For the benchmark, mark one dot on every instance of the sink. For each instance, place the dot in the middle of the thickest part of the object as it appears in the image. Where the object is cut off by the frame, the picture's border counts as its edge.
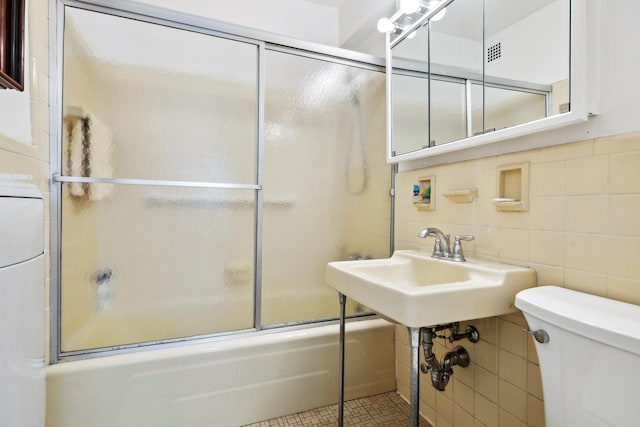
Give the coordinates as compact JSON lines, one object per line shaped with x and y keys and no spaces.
{"x":416,"y":290}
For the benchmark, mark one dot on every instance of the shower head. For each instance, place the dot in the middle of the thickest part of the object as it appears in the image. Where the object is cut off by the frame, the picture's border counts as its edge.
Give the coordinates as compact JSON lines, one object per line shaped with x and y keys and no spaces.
{"x":355,"y":81}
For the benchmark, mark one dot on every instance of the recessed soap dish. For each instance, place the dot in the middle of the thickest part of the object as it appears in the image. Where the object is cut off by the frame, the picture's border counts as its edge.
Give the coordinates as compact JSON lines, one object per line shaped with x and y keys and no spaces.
{"x":508,"y":205}
{"x":513,"y":188}
{"x":424,"y":193}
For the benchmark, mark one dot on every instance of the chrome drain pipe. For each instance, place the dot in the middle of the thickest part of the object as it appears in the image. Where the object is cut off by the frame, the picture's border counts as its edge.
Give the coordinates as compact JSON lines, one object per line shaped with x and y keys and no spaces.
{"x":441,"y":371}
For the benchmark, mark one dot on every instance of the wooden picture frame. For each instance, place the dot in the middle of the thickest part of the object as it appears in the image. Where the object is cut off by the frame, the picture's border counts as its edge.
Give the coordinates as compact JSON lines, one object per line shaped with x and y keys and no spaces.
{"x":12,"y":44}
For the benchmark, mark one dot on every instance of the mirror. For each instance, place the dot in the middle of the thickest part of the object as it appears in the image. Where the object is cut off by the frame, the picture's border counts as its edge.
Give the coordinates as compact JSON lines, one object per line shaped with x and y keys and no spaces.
{"x":484,"y":71}
{"x":456,"y":52}
{"x":12,"y":39}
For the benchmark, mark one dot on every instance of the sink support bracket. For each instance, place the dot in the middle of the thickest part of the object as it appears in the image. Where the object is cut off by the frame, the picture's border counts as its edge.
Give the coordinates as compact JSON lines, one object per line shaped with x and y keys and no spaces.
{"x":414,"y":341}
{"x":343,"y":302}
{"x":458,"y":356}
{"x":442,"y":371}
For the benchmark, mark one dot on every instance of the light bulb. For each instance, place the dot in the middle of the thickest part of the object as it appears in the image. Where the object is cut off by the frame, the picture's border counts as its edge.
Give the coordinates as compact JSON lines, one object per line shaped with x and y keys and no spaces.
{"x":409,"y":6}
{"x":438,"y":16}
{"x":385,"y":25}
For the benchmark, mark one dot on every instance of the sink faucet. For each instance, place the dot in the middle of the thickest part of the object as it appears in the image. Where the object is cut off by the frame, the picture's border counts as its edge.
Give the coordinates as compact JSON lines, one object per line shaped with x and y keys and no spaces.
{"x":441,"y":238}
{"x":458,"y":255}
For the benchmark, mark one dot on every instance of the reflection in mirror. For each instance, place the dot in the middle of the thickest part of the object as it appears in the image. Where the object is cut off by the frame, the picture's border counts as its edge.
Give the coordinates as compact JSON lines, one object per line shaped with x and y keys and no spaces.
{"x":410,"y":96}
{"x":490,"y":65}
{"x":527,"y":42}
{"x":448,"y":110}
{"x":456,"y":48}
{"x":410,"y":122}
{"x":477,"y":110}
{"x":508,"y":107}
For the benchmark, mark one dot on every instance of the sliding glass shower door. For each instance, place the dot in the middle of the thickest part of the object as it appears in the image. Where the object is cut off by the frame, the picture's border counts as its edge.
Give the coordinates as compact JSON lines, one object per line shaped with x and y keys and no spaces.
{"x":168,"y":251}
{"x":204,"y":180}
{"x":326,"y":180}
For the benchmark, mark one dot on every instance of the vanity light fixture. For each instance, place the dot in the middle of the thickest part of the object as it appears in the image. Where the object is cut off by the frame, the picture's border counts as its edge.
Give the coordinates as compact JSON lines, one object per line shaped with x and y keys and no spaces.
{"x":438,"y":16}
{"x":385,"y":25}
{"x":410,"y":7}
{"x":388,"y":25}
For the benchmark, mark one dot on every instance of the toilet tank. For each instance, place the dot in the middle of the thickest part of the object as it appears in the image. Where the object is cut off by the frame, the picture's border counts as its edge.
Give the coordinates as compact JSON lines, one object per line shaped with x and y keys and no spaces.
{"x":22,"y":305}
{"x":590,"y":366}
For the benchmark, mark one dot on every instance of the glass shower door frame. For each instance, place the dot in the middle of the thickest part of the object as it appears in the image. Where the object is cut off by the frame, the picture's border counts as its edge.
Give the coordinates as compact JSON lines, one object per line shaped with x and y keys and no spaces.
{"x":58,"y":179}
{"x":148,"y":14}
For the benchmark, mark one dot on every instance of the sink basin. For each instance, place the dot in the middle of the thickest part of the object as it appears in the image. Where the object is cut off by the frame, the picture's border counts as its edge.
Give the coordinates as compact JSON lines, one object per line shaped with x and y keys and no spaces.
{"x":416,"y":290}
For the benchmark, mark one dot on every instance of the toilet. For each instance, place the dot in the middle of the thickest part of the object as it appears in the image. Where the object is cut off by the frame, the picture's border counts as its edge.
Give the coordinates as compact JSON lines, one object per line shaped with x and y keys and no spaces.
{"x":22,"y":306}
{"x":590,"y":364}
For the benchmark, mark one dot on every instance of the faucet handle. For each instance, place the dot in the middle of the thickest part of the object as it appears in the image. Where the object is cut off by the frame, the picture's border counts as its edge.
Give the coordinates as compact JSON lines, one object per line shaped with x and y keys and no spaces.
{"x":458,"y":254}
{"x":437,"y":249}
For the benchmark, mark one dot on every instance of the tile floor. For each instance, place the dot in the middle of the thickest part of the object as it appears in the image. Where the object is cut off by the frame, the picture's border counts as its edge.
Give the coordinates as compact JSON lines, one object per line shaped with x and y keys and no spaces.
{"x":387,"y":409}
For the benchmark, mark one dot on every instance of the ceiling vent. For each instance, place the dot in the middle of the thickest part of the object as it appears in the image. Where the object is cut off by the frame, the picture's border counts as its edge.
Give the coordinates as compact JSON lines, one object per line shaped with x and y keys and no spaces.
{"x":494,"y":52}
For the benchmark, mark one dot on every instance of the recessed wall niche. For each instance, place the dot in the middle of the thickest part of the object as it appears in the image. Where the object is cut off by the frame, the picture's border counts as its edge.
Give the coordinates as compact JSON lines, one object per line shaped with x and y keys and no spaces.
{"x":424,"y":193}
{"x":512,"y":193}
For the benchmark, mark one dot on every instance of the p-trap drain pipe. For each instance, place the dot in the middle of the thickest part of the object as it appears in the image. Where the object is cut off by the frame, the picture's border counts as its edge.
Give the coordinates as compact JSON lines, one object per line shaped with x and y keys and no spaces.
{"x":441,"y":371}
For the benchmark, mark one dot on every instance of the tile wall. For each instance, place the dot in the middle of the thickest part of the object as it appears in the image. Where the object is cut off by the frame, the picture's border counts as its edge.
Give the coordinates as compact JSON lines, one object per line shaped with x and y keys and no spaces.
{"x":17,"y":158}
{"x":582,"y":231}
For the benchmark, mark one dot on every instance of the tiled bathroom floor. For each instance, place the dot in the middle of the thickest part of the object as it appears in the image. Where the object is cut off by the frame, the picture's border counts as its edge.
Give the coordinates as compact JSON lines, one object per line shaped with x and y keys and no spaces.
{"x":387,"y":409}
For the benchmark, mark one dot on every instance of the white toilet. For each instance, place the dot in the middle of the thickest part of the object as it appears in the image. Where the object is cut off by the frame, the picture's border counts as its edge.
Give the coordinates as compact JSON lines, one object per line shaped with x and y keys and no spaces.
{"x":590,"y":366}
{"x":22,"y":306}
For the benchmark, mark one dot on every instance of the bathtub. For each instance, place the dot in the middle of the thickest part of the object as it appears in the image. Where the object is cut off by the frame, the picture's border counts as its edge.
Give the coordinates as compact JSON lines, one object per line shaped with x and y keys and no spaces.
{"x":230,"y":382}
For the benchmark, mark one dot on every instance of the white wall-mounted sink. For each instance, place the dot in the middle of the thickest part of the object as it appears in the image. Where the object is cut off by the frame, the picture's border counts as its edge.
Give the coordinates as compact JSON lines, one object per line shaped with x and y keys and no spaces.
{"x":416,"y":290}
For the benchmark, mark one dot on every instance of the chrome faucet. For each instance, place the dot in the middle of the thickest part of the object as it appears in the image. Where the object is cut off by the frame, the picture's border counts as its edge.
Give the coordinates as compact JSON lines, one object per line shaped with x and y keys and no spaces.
{"x":458,"y":255}
{"x":443,"y":239}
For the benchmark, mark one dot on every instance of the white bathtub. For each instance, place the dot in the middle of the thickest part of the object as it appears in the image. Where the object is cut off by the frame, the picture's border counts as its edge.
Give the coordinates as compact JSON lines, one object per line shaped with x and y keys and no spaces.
{"x":225,"y":383}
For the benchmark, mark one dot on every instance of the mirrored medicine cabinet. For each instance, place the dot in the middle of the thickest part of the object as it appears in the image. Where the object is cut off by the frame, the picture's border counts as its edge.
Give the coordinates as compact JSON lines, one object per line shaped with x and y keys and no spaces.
{"x":486,"y":72}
